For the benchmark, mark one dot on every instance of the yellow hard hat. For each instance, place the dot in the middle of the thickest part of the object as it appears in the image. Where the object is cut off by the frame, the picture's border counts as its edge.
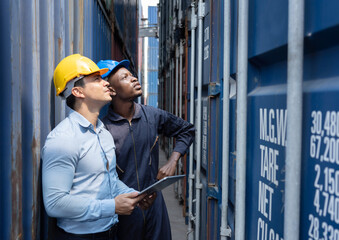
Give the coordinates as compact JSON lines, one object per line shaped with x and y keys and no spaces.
{"x":72,"y":67}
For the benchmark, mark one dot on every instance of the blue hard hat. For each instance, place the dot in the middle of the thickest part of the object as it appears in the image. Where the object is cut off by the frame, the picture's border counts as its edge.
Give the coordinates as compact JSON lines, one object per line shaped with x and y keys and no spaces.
{"x":111,"y":65}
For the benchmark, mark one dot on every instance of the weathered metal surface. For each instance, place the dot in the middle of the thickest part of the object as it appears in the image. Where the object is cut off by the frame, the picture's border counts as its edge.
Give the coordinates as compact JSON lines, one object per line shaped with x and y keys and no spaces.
{"x":15,"y":204}
{"x":5,"y":119}
{"x":126,"y":25}
{"x":30,"y":116}
{"x":36,"y":36}
{"x":152,"y":62}
{"x":266,"y":121}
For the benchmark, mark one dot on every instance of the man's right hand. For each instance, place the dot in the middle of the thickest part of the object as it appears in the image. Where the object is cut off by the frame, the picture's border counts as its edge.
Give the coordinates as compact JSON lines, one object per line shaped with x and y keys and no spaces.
{"x":125,"y":203}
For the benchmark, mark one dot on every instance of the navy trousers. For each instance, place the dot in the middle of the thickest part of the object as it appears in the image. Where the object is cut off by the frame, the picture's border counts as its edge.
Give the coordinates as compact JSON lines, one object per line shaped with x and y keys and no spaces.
{"x":107,"y":235}
{"x":150,"y":224}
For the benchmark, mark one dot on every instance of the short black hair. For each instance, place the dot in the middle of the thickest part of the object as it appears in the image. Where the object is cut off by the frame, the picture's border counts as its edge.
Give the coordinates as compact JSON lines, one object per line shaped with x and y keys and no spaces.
{"x":70,"y":101}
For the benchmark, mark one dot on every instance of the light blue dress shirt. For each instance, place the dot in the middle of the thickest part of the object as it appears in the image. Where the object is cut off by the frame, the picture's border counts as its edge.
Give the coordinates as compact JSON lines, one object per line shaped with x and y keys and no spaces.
{"x":78,"y":189}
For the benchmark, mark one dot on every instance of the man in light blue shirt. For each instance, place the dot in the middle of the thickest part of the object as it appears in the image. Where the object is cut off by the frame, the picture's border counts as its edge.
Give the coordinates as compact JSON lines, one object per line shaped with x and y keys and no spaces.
{"x":80,"y":183}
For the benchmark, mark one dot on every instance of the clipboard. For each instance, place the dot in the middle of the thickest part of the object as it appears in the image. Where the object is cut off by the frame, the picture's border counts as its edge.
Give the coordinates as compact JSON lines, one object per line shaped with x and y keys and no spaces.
{"x":161,"y":184}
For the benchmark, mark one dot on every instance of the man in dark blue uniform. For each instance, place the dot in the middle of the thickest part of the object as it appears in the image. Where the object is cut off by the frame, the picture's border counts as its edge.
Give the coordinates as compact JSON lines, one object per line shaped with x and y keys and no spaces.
{"x":135,"y":129}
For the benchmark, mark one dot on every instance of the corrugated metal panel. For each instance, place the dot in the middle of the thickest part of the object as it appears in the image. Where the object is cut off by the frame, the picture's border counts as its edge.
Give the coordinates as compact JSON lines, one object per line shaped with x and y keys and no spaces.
{"x":215,"y":120}
{"x":207,"y":43}
{"x":266,"y":137}
{"x":152,"y":15}
{"x":152,"y":98}
{"x":152,"y":62}
{"x":153,"y":42}
{"x":153,"y":82}
{"x":153,"y":59}
{"x":102,"y":36}
{"x":37,"y":35}
{"x":5,"y":120}
{"x":267,"y":101}
{"x":119,"y":13}
{"x":204,"y":214}
{"x":126,"y":16}
{"x":131,"y":27}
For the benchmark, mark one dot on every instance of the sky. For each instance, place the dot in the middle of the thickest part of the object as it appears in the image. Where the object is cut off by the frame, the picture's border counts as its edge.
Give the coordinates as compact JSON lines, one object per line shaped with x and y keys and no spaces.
{"x":146,"y":3}
{"x":150,"y":2}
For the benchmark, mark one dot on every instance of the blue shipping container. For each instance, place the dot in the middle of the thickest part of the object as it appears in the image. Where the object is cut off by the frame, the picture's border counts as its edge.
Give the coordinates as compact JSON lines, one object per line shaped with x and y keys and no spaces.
{"x":36,"y":36}
{"x":152,"y":63}
{"x":261,"y":66}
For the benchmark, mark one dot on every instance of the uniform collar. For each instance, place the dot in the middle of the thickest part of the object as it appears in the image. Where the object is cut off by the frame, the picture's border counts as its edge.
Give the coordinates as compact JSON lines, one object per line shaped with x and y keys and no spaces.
{"x":116,"y":117}
{"x":82,"y":121}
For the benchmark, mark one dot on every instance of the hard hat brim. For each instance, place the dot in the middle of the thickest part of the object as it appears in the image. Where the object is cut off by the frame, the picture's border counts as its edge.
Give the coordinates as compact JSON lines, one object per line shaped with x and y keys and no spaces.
{"x":102,"y":71}
{"x":124,"y":63}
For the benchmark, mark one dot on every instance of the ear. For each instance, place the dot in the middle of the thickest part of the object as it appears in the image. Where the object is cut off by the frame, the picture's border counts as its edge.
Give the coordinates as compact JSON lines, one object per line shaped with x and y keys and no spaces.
{"x":112,"y":91}
{"x":77,"y":92}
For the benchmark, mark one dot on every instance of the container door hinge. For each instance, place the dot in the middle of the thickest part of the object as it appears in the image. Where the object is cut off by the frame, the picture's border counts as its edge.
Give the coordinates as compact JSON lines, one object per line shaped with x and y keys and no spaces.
{"x":213,"y":192}
{"x":226,"y":232}
{"x":214,"y":89}
{"x":191,"y":217}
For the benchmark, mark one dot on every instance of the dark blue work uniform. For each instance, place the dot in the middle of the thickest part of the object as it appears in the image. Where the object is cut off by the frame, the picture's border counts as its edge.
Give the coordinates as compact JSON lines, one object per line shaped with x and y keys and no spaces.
{"x":137,"y":152}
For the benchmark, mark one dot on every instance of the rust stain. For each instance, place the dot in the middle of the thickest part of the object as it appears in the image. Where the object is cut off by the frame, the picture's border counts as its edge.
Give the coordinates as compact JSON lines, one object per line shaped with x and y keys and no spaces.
{"x":16,"y":187}
{"x":59,"y":45}
{"x":36,"y":163}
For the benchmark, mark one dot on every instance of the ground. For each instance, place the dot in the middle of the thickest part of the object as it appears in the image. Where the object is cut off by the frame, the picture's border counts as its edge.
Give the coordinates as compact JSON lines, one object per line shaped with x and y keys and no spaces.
{"x":175,"y":211}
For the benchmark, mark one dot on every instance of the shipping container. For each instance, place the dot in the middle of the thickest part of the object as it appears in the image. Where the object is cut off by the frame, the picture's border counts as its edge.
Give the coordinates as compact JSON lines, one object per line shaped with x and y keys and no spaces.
{"x":262,"y":86}
{"x":36,"y":36}
{"x":152,"y":61}
{"x":126,"y":25}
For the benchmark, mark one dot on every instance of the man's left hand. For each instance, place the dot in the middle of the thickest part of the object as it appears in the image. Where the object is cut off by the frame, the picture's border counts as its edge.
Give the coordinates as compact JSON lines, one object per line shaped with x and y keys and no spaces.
{"x":147,"y":201}
{"x":169,"y":168}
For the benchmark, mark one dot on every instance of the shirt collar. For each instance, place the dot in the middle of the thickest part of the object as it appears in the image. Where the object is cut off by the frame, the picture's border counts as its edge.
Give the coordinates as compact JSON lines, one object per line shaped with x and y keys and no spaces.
{"x":116,"y":117}
{"x":100,"y":125}
{"x":82,"y":121}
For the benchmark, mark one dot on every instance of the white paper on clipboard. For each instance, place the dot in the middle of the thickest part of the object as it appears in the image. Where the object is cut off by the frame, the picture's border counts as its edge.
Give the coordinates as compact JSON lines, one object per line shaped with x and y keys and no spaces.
{"x":161,"y":184}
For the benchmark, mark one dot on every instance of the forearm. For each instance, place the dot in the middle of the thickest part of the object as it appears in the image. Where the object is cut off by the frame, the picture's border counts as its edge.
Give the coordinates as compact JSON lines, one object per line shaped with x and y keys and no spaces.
{"x":123,"y":188}
{"x":175,"y":156}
